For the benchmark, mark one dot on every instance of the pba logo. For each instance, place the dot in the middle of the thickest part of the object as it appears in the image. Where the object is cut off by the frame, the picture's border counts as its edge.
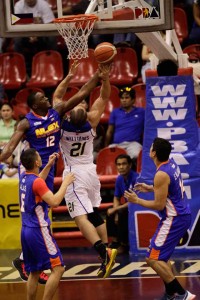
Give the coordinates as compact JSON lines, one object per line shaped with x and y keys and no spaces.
{"x":146,"y":13}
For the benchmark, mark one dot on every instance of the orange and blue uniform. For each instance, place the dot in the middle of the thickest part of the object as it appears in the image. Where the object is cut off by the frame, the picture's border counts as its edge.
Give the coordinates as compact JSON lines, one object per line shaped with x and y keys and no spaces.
{"x":175,"y":217}
{"x":39,"y":248}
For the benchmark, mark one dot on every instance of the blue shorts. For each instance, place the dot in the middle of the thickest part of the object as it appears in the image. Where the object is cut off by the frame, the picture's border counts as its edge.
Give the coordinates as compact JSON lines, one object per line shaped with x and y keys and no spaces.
{"x":39,"y":248}
{"x":167,"y":236}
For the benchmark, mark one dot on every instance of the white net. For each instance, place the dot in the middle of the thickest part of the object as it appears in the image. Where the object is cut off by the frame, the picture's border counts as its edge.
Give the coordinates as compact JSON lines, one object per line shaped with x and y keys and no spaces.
{"x":75,"y":33}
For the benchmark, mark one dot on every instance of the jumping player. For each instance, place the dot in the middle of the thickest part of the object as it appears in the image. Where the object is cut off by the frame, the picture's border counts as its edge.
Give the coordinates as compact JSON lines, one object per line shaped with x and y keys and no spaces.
{"x":41,"y":129}
{"x":171,"y":202}
{"x":38,"y":245}
{"x":83,"y":198}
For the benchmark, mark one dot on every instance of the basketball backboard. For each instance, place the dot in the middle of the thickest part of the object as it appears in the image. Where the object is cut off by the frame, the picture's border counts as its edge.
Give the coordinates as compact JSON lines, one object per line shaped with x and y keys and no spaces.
{"x":123,"y":16}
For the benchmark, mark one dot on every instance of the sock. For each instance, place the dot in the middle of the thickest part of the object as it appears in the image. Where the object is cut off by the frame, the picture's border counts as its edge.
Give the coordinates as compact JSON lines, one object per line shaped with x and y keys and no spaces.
{"x":174,"y":287}
{"x":21,"y":256}
{"x":100,"y":247}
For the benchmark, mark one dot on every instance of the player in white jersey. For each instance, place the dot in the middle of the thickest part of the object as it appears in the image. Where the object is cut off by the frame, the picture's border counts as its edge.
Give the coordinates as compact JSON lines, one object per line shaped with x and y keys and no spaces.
{"x":83,"y":199}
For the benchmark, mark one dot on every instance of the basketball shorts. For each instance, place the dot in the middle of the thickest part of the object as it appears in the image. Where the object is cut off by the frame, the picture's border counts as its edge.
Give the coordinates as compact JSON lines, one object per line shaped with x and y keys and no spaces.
{"x":40,"y":250}
{"x":84,"y":193}
{"x":167,"y":236}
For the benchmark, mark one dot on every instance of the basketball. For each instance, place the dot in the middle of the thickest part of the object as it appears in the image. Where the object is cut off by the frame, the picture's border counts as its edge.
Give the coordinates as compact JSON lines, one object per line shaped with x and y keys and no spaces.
{"x":105,"y":52}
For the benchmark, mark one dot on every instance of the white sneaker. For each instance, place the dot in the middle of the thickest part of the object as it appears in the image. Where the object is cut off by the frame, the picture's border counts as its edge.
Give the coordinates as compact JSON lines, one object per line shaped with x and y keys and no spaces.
{"x":186,"y":296}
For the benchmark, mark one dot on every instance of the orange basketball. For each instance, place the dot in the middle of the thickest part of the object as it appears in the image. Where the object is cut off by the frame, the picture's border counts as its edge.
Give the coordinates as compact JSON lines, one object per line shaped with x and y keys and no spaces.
{"x":105,"y":52}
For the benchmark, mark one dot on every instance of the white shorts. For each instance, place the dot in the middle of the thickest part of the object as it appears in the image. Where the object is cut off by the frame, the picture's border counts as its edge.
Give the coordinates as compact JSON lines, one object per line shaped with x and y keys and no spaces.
{"x":84,"y":193}
{"x":132,"y":148}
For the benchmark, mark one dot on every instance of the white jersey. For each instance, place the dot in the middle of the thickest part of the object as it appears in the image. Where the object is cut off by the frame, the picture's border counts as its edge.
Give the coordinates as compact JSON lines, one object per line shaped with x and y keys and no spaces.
{"x":77,"y":144}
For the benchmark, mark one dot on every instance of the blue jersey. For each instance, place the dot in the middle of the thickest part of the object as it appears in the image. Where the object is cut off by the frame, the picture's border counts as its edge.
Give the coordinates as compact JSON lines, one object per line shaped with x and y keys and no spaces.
{"x":34,"y":210}
{"x":177,"y":203}
{"x":122,"y":184}
{"x":128,"y":126}
{"x":44,"y":133}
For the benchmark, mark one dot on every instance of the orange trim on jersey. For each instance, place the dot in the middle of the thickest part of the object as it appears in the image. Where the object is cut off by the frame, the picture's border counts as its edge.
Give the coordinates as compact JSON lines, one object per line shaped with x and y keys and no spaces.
{"x":26,"y":172}
{"x":163,"y":163}
{"x":39,"y":188}
{"x":154,"y":254}
{"x":55,"y":262}
{"x":38,"y":116}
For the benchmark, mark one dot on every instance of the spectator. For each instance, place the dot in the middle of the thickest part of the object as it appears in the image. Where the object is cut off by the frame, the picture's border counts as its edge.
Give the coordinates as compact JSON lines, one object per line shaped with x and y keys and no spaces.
{"x":117,"y":216}
{"x":194,"y":35}
{"x":7,"y":123}
{"x":29,"y":46}
{"x":126,"y":125}
{"x":7,"y":170}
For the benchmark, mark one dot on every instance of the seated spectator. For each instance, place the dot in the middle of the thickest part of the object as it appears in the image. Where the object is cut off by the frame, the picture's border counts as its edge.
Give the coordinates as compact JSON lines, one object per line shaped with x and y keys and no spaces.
{"x":117,"y":216}
{"x":29,"y":46}
{"x":7,"y":170}
{"x":194,"y":36}
{"x":126,"y":125}
{"x":7,"y":123}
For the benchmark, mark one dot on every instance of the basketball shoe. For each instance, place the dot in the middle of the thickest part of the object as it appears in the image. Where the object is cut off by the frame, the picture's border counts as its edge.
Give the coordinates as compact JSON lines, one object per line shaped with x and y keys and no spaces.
{"x":186,"y":296}
{"x":19,"y":265}
{"x":107,"y":263}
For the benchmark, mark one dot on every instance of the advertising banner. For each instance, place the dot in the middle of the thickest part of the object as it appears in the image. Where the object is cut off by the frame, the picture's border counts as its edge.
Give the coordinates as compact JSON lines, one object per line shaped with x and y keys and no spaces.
{"x":170,"y":114}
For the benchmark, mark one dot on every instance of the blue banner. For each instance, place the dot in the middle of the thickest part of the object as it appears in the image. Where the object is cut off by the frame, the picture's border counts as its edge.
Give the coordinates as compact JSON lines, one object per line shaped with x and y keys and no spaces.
{"x":170,"y":114}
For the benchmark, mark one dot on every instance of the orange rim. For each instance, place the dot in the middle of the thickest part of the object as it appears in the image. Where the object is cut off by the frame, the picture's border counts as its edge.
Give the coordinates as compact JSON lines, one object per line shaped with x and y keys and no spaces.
{"x":76,"y":18}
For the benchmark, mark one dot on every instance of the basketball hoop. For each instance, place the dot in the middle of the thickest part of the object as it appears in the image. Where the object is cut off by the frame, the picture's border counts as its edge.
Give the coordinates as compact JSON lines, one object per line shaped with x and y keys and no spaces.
{"x":75,"y":30}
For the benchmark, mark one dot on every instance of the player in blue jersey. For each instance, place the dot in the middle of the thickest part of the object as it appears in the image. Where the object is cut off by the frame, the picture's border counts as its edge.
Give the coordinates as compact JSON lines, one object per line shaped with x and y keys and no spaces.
{"x":38,"y":245}
{"x":41,"y":129}
{"x":171,"y":202}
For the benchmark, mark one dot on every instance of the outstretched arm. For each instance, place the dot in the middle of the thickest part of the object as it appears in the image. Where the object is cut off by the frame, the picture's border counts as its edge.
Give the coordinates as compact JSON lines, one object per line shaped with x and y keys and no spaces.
{"x":15,"y":139}
{"x":83,"y":93}
{"x":44,"y":173}
{"x":62,"y":87}
{"x":99,"y":105}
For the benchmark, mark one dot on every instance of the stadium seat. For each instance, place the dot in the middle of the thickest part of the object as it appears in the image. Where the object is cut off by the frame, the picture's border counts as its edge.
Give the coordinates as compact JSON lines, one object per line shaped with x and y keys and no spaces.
{"x":140,"y":91}
{"x":106,"y":168}
{"x":12,"y":70}
{"x":106,"y":160}
{"x":86,"y":69}
{"x":19,"y":110}
{"x":193,"y":52}
{"x":180,"y":23}
{"x":47,"y":69}
{"x":22,"y":95}
{"x":124,"y":69}
{"x":113,"y":102}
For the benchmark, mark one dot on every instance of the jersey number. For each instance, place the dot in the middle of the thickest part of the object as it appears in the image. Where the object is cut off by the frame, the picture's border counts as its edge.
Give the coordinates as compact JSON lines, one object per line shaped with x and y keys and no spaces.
{"x":78,"y":149}
{"x":22,"y":202}
{"x":50,"y":141}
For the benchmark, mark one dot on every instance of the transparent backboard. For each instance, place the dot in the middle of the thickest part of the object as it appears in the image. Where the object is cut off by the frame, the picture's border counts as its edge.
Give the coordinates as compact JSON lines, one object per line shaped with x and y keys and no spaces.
{"x":114,"y":16}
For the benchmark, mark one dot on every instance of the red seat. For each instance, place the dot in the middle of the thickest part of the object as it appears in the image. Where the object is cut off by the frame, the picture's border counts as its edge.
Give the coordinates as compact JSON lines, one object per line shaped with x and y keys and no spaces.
{"x":106,"y":160}
{"x":124,"y":70}
{"x":71,"y":91}
{"x":20,"y":109}
{"x":180,"y":23}
{"x":113,"y":102}
{"x":12,"y":70}
{"x":193,"y":52}
{"x":22,"y":95}
{"x":140,"y":93}
{"x":87,"y":68}
{"x":47,"y":69}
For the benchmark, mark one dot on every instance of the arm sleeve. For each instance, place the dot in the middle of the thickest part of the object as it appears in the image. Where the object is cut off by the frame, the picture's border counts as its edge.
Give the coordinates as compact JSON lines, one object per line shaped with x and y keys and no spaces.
{"x":39,"y":187}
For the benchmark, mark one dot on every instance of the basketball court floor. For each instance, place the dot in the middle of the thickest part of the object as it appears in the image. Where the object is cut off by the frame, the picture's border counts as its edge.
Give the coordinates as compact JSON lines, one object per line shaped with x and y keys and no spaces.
{"x":131,"y":279}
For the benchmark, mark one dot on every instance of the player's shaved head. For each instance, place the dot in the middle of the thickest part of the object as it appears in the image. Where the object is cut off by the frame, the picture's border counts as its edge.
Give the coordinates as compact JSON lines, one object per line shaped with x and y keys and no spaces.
{"x":78,"y":116}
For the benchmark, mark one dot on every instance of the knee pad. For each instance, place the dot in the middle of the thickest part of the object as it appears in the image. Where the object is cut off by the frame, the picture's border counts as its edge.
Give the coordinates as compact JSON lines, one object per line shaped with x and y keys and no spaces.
{"x":95,"y":218}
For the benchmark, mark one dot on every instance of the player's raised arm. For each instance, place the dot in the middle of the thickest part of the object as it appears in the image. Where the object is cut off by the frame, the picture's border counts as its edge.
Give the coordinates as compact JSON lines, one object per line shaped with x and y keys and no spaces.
{"x":99,"y":105}
{"x":83,"y":93}
{"x":62,"y":87}
{"x":22,"y":127}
